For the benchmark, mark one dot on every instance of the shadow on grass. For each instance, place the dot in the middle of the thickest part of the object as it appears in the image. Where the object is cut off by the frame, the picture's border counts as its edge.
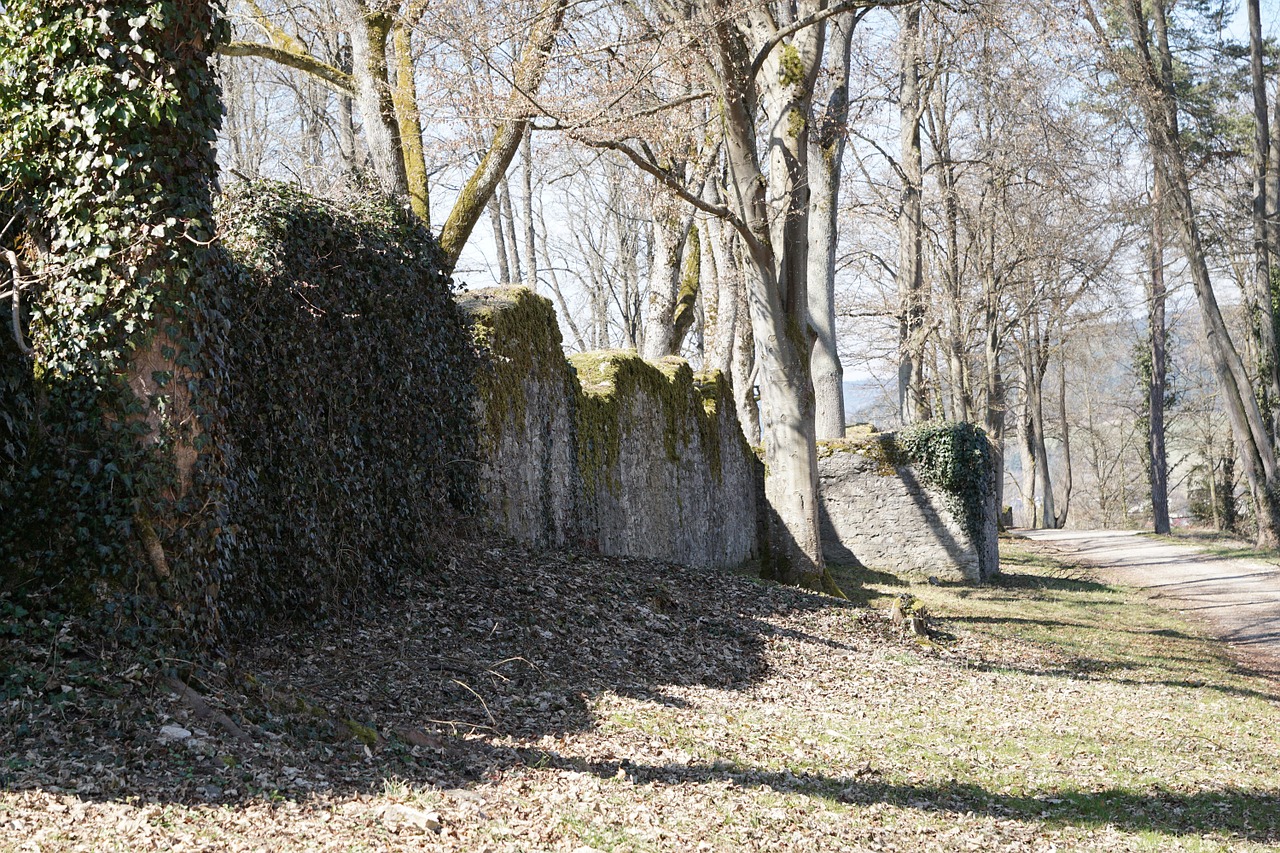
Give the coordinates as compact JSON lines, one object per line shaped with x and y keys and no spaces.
{"x":506,"y":647}
{"x":1056,"y":583}
{"x":1248,"y":815}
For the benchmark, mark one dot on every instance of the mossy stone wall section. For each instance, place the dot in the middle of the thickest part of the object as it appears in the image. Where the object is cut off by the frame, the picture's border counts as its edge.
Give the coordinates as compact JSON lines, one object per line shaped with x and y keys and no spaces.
{"x":877,"y":510}
{"x":666,"y":471}
{"x":605,"y":450}
{"x":527,"y":400}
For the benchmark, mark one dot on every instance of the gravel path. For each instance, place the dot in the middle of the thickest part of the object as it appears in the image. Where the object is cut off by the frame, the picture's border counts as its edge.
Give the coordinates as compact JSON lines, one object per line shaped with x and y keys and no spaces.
{"x":1237,"y":599}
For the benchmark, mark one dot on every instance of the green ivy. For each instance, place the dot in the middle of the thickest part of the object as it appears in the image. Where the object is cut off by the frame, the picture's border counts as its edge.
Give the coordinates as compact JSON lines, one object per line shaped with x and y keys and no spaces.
{"x":108,"y":113}
{"x":349,"y":416}
{"x":955,"y":457}
{"x":207,"y":431}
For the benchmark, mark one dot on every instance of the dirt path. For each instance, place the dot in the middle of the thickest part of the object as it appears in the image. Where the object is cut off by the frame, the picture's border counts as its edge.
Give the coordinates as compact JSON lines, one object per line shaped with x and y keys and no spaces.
{"x":1238,"y":599}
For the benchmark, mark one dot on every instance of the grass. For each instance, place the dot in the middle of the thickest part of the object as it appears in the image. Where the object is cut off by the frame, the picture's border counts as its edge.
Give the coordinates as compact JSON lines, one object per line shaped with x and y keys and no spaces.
{"x":1219,"y":544}
{"x":1051,"y":710}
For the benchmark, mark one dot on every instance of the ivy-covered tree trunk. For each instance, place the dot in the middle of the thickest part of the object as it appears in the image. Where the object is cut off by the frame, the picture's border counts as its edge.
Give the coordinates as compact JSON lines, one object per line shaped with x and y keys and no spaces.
{"x":107,"y":122}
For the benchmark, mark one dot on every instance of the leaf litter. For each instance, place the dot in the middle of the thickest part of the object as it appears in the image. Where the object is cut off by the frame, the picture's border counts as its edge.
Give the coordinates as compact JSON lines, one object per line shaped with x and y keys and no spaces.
{"x":515,"y":700}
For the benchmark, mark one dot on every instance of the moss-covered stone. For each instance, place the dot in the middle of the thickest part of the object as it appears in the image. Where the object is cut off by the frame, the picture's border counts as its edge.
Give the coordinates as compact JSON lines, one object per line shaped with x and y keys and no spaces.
{"x":652,"y":452}
{"x":518,"y":337}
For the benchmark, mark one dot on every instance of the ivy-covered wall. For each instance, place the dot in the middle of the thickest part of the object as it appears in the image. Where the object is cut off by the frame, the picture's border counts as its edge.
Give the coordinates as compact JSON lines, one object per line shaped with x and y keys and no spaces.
{"x":917,"y":503}
{"x":347,"y":416}
{"x":606,"y":450}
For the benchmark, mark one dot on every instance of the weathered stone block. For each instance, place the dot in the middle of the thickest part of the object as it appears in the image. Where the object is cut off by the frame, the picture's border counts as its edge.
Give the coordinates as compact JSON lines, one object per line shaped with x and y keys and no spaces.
{"x":612,"y":452}
{"x":876,"y":511}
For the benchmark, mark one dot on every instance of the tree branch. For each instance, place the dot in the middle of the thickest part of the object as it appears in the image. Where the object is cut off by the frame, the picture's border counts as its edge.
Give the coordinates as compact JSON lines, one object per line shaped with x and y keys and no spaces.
{"x":530,"y":70}
{"x":340,"y":81}
{"x":810,"y":20}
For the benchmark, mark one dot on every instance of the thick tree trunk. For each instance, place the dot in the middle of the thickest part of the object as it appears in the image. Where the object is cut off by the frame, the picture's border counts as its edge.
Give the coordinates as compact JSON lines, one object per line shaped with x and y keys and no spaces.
{"x":686,"y":311}
{"x":369,"y":31}
{"x":409,"y":122}
{"x":772,"y":216}
{"x":670,"y":230}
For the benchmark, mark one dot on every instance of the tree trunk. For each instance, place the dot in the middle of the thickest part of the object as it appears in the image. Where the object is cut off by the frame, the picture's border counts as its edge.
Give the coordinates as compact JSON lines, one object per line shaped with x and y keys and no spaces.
{"x":687,"y":297}
{"x":409,"y":122}
{"x":911,"y":402}
{"x":1263,"y":320}
{"x":744,"y":364}
{"x":670,"y":229}
{"x":509,"y":228}
{"x":369,"y":31}
{"x":826,"y":152}
{"x":957,"y":363}
{"x":1158,"y":473}
{"x":993,"y":413}
{"x":1048,"y":513}
{"x":530,"y":235}
{"x":499,"y":241}
{"x":1060,"y":520}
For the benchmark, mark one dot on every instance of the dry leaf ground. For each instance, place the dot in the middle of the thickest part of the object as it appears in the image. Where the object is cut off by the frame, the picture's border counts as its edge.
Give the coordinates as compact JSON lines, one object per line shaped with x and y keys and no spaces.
{"x":522,"y":701}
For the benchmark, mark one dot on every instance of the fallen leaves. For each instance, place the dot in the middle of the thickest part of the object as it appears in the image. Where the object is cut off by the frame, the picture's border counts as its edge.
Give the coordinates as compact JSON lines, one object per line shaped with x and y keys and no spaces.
{"x":522,"y":701}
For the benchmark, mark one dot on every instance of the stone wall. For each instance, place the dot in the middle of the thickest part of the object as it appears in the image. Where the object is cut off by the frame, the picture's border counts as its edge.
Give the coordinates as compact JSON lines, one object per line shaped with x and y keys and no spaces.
{"x":877,"y":512}
{"x":605,"y":450}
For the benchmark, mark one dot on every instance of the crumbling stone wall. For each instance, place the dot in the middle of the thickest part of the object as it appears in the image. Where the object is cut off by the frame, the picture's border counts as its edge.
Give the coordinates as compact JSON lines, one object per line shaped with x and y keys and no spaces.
{"x":606,"y":450}
{"x":527,"y":396}
{"x":877,"y":511}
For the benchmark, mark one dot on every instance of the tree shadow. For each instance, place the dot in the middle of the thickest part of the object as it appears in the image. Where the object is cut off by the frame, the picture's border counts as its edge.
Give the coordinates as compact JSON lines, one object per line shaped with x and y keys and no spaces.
{"x":1248,"y":815}
{"x":499,"y":643}
{"x":456,"y":682}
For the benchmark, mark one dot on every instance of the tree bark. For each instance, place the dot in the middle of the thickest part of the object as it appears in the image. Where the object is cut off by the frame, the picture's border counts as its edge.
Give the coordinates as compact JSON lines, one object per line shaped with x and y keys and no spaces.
{"x":826,"y":152}
{"x":911,"y":402}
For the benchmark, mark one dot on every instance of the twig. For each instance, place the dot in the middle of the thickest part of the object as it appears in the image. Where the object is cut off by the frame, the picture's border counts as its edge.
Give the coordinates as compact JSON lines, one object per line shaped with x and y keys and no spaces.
{"x":202,"y":710}
{"x":16,"y":321}
{"x":478,"y":696}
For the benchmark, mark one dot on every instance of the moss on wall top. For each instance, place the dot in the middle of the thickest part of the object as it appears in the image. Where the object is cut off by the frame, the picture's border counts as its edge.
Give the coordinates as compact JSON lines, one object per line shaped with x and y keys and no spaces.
{"x":611,"y":379}
{"x":518,"y":340}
